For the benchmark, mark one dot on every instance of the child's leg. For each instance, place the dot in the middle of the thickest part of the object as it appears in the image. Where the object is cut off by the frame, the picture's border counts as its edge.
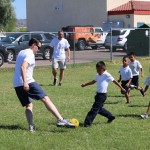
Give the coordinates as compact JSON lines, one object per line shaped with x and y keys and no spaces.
{"x":148,"y":109}
{"x":98,"y":104}
{"x":127,"y":97}
{"x":146,"y":88}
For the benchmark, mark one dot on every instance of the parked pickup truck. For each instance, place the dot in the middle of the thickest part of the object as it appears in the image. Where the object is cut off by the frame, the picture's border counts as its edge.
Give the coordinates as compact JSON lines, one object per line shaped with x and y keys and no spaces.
{"x":82,"y":36}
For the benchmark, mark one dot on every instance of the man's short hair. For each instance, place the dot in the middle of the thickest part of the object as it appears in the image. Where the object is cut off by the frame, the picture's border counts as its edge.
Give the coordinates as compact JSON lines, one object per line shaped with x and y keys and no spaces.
{"x":33,"y":41}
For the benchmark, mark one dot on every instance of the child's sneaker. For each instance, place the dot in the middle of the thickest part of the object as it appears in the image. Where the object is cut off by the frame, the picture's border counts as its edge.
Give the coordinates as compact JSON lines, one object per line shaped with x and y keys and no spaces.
{"x":144,"y":116}
{"x":64,"y":123}
{"x":32,"y":128}
{"x":111,"y":119}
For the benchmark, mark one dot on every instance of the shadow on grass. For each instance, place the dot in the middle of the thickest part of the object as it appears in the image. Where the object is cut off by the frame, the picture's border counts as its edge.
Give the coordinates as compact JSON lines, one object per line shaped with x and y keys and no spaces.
{"x":129,"y":115}
{"x":107,"y":102}
{"x":138,"y":106}
{"x":115,"y":96}
{"x":46,"y":84}
{"x":11,"y":127}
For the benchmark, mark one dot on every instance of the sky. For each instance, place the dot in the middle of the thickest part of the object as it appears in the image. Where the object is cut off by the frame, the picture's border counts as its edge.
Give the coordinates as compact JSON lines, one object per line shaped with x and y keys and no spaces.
{"x":20,"y":8}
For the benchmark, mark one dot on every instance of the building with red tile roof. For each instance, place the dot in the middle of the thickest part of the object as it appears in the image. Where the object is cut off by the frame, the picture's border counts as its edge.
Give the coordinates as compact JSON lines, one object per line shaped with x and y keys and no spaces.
{"x":132,"y":13}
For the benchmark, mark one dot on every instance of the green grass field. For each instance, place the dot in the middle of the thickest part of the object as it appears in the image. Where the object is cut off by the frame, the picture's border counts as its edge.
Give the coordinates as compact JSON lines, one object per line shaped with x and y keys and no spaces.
{"x":127,"y":132}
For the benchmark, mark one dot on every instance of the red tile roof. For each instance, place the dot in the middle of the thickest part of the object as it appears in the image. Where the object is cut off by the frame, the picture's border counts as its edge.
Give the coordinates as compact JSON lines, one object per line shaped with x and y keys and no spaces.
{"x":132,"y":7}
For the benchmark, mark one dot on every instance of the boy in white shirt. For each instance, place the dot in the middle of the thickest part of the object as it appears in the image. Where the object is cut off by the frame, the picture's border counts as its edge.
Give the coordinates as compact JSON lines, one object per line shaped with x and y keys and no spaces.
{"x":147,"y":84}
{"x":135,"y":67}
{"x":125,"y":76}
{"x":102,"y":79}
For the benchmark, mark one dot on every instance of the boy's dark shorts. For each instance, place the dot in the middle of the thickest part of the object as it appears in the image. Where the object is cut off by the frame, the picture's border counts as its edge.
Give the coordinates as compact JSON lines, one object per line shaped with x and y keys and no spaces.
{"x":123,"y":84}
{"x":135,"y":81}
{"x":35,"y":92}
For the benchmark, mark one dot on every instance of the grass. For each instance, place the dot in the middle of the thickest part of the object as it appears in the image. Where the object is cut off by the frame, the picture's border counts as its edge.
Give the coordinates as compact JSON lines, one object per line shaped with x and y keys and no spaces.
{"x":128,"y":131}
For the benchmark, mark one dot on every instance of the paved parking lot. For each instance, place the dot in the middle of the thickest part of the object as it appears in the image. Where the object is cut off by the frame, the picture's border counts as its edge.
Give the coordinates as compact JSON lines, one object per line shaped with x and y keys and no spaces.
{"x":80,"y":57}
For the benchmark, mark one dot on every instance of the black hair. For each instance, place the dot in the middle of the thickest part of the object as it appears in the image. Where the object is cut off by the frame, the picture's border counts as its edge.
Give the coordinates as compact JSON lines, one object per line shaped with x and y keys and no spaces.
{"x":33,"y":41}
{"x":101,"y":64}
{"x":126,"y":56}
{"x":131,"y":53}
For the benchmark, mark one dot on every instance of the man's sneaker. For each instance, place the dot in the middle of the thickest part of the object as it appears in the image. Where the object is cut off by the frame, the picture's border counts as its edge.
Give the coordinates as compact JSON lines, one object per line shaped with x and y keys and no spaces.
{"x":111,"y":119}
{"x":64,"y":123}
{"x":142,"y":92}
{"x":144,"y":116}
{"x":54,"y":83}
{"x":32,"y":128}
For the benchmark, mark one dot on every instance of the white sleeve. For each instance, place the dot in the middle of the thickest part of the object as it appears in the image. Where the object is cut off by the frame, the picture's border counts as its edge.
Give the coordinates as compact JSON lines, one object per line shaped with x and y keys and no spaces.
{"x":67,"y":45}
{"x":51,"y":43}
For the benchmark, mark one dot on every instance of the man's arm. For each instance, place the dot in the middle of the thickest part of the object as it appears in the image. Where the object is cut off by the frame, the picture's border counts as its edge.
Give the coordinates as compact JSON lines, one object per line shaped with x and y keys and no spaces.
{"x":51,"y":53}
{"x":68,"y":54}
{"x":24,"y":76}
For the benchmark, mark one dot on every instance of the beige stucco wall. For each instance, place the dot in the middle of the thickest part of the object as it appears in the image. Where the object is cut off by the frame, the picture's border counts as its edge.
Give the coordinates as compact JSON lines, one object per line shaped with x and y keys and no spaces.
{"x":128,"y":21}
{"x":141,"y":18}
{"x":115,"y":3}
{"x":51,"y":15}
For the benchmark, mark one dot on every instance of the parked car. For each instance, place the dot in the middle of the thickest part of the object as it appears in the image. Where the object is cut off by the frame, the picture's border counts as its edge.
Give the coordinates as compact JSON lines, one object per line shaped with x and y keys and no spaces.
{"x":16,"y":42}
{"x":85,"y":36}
{"x":2,"y":36}
{"x":3,"y":55}
{"x":119,"y":39}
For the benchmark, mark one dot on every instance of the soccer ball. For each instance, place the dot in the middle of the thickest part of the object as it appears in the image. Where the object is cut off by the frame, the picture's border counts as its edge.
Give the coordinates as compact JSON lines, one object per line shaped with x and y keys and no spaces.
{"x":75,"y":122}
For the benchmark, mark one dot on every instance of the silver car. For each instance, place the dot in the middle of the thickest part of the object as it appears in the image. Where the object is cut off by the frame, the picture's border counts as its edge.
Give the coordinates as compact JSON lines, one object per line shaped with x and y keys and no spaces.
{"x":118,"y":40}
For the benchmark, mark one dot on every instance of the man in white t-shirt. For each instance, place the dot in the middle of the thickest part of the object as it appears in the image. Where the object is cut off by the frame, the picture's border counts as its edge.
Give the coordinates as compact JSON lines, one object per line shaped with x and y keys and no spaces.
{"x":58,"y":46}
{"x":27,"y":89}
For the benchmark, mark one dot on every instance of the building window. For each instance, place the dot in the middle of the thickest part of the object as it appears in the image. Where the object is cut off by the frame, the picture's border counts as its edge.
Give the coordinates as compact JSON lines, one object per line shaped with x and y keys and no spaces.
{"x":58,"y":5}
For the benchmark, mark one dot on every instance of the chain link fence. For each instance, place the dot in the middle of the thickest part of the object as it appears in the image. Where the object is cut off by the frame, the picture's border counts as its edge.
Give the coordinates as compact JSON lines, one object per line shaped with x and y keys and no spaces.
{"x":85,"y":46}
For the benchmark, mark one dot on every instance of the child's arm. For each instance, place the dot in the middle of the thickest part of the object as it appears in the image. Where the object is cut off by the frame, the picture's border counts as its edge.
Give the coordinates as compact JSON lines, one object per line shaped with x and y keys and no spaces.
{"x":142,"y":73}
{"x":122,"y":89}
{"x":119,"y":78}
{"x":88,"y":83}
{"x":128,"y":84}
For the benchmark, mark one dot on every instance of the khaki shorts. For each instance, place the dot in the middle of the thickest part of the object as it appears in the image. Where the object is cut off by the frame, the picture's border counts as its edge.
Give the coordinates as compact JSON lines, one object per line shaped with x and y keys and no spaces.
{"x":61,"y":63}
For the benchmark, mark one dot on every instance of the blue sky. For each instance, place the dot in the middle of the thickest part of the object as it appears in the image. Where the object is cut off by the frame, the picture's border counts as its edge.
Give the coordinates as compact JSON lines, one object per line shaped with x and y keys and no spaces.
{"x":20,"y":8}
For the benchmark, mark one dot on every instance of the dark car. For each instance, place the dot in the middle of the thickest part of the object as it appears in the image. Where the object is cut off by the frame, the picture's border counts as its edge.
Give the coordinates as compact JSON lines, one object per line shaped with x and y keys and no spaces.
{"x":15,"y":42}
{"x":3,"y":55}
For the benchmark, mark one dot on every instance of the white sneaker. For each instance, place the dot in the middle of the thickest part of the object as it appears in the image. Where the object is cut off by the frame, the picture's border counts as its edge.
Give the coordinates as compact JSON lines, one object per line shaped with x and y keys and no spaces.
{"x":32,"y":128}
{"x":144,"y":116}
{"x":64,"y":123}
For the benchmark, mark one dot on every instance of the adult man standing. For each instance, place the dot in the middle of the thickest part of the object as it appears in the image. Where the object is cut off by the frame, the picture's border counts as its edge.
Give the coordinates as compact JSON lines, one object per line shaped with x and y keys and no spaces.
{"x":27,"y":89}
{"x":58,"y":46}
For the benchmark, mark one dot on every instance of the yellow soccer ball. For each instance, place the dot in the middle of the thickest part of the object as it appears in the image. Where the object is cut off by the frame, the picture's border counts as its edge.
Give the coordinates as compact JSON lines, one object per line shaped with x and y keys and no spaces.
{"x":75,"y":122}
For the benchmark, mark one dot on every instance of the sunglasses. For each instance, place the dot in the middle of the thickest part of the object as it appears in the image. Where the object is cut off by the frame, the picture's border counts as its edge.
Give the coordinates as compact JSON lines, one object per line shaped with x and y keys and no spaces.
{"x":38,"y":46}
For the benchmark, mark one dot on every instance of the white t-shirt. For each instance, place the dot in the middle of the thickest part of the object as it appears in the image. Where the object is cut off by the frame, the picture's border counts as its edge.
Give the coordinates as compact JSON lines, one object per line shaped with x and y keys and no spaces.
{"x":135,"y":67}
{"x":125,"y":73}
{"x":102,"y":82}
{"x":59,"y":47}
{"x":28,"y":56}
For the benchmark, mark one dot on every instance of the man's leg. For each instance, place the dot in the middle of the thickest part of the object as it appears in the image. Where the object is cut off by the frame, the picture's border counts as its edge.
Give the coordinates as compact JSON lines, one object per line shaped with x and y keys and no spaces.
{"x":29,"y":114}
{"x":54,"y":71}
{"x":61,"y":76}
{"x":51,"y":107}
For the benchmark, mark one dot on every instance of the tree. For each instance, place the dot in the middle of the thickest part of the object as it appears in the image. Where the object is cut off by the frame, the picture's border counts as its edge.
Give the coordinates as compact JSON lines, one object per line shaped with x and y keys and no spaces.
{"x":7,"y":15}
